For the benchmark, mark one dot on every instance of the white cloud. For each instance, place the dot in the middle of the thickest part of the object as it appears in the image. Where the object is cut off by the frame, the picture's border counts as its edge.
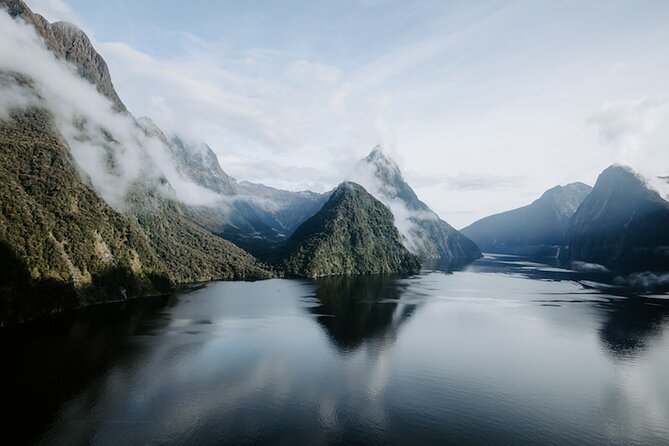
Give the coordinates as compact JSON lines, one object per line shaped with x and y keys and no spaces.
{"x":109,"y":147}
{"x":626,"y":125}
{"x":54,"y":10}
{"x":636,"y":130}
{"x":14,"y":97}
{"x":476,"y":95}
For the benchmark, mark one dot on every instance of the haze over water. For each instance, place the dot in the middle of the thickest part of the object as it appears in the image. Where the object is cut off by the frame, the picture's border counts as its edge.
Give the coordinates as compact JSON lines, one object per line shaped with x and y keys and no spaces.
{"x":504,"y":352}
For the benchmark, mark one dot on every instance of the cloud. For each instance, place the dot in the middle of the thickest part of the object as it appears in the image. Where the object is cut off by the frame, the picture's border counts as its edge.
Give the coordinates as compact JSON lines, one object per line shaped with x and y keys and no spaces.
{"x":626,"y":125}
{"x":282,"y":175}
{"x":250,"y":108}
{"x":113,"y":151}
{"x":647,"y":281}
{"x":54,"y":10}
{"x":637,"y":131}
{"x":586,"y":267}
{"x":14,"y":96}
{"x":467,"y":181}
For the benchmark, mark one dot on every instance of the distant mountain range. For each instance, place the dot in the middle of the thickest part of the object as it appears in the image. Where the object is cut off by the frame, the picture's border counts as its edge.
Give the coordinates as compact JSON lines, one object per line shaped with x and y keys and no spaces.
{"x":253,"y":216}
{"x":619,"y":225}
{"x":97,"y":205}
{"x":538,"y":229}
{"x":93,"y":207}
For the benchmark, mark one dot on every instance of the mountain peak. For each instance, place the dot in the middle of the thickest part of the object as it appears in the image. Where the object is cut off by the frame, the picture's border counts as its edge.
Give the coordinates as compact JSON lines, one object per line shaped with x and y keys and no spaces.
{"x":72,"y":44}
{"x":384,"y":167}
{"x":353,"y":233}
{"x":376,"y":153}
{"x":379,"y":156}
{"x":424,"y":233}
{"x":577,"y":191}
{"x":71,"y":30}
{"x":620,"y":179}
{"x":620,"y":222}
{"x":348,"y":187}
{"x":534,"y":229}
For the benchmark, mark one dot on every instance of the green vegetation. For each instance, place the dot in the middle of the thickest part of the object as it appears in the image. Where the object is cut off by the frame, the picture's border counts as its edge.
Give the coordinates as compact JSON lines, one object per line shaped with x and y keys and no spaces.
{"x":61,"y":245}
{"x":191,"y":253}
{"x":352,"y":234}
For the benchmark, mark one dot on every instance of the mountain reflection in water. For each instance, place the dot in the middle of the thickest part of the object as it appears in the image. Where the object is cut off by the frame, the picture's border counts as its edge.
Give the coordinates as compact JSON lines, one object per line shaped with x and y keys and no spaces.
{"x":359,"y":310}
{"x":506,"y":351}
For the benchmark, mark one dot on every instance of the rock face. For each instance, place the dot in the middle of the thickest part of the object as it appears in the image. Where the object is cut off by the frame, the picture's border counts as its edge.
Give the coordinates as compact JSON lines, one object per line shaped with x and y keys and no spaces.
{"x":622,"y":224}
{"x":71,"y":44}
{"x":424,"y":233}
{"x":352,"y":234}
{"x":253,"y":216}
{"x":537,"y":229}
{"x":201,"y":165}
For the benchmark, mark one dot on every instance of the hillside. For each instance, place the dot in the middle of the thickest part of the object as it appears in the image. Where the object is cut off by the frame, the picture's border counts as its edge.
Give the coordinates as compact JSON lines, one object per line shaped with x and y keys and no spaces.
{"x":62,"y":246}
{"x":423,"y":232}
{"x":352,"y":234}
{"x":539,"y":228}
{"x":62,"y":243}
{"x":622,"y":224}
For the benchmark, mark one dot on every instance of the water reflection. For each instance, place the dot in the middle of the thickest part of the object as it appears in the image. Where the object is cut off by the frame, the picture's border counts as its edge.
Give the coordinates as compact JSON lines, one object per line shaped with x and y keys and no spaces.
{"x":505,"y":352}
{"x":359,"y":310}
{"x":542,"y":268}
{"x":50,"y":360}
{"x":631,"y":324}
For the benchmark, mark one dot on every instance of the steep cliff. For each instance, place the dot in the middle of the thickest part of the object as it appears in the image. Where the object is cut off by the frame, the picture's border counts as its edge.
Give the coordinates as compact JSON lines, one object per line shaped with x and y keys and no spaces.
{"x":424,"y":233}
{"x":622,"y":224}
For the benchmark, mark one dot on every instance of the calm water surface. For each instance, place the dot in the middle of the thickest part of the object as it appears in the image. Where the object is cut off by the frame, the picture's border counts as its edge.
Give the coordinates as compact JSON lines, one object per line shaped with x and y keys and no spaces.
{"x":505,"y":352}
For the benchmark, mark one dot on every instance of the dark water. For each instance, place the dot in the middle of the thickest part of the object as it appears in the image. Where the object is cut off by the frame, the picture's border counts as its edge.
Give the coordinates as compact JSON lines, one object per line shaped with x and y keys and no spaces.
{"x":505,"y":352}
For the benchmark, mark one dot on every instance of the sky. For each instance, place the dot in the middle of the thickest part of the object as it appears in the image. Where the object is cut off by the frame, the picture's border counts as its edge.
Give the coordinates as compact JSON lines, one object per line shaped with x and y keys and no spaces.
{"x":484,"y":105}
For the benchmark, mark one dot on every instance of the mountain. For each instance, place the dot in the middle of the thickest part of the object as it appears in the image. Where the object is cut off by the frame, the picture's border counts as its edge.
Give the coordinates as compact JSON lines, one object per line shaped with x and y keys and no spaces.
{"x":189,"y":252}
{"x":63,"y":244}
{"x":200,"y":163}
{"x":253,"y":216}
{"x":289,"y":209}
{"x":424,"y":233}
{"x":353,"y":233}
{"x":536,"y":229}
{"x":622,"y":224}
{"x":71,"y":44}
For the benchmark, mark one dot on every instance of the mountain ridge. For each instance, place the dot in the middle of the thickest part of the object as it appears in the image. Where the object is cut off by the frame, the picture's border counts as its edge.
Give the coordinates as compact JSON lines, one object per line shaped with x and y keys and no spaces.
{"x":69,"y":43}
{"x":65,"y":245}
{"x":424,"y":233}
{"x":537,"y":229}
{"x":622,"y":224}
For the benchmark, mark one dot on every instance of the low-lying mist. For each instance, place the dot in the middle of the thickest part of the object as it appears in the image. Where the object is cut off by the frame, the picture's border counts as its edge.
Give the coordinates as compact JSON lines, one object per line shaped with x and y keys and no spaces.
{"x":406,"y":219}
{"x":109,"y":147}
